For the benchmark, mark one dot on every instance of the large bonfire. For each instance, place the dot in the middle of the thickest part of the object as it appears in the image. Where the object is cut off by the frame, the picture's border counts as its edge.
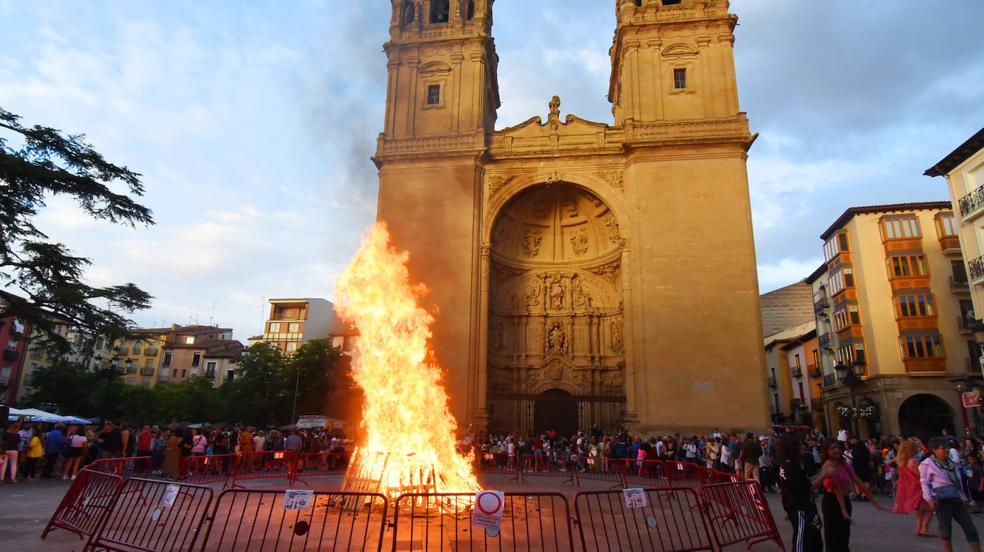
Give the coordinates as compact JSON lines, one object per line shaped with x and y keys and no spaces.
{"x":406,"y":411}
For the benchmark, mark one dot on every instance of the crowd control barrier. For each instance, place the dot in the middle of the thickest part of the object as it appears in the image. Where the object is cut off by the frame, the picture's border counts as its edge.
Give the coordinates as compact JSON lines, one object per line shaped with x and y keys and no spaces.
{"x":295,"y":520}
{"x":85,"y":504}
{"x":153,"y":515}
{"x":739,"y":512}
{"x":265,"y":465}
{"x":443,"y":521}
{"x":649,"y":520}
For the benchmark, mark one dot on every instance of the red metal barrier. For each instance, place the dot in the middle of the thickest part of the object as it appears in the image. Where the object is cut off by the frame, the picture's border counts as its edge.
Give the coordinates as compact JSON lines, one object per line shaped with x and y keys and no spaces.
{"x":534,"y":465}
{"x":531,"y":521}
{"x":265,"y":465}
{"x":668,"y":519}
{"x":214,"y":468}
{"x":153,"y":516}
{"x":267,"y":520}
{"x":131,"y":466}
{"x":85,"y":504}
{"x":739,"y":512}
{"x":311,"y":464}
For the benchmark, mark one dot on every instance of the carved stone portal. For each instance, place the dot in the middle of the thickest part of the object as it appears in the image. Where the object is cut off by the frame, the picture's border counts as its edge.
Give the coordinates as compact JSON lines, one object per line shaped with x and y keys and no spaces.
{"x":555,"y":307}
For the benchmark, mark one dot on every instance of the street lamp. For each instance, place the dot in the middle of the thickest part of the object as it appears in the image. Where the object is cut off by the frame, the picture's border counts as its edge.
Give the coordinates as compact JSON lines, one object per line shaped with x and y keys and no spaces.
{"x":961,"y":387}
{"x":850,"y":376}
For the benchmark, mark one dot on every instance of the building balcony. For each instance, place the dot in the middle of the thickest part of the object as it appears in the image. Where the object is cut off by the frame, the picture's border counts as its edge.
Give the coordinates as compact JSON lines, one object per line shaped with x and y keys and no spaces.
{"x":829,"y":380}
{"x":145,"y":371}
{"x":123,"y":351}
{"x":950,"y":245}
{"x":924,"y":365}
{"x":976,"y":270}
{"x":958,"y":285}
{"x":772,"y":382}
{"x":150,"y":351}
{"x":826,"y":341}
{"x":821,"y":306}
{"x":796,"y":372}
{"x":967,"y":325}
{"x":813,"y":371}
{"x":972,"y":204}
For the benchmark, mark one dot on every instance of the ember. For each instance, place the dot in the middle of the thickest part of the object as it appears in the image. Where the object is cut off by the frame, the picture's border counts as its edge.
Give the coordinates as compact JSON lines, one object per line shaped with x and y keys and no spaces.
{"x":406,"y":417}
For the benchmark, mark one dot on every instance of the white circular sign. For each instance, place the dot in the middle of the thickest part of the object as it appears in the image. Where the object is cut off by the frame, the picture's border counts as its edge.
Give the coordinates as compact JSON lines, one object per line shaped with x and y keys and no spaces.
{"x":489,"y":503}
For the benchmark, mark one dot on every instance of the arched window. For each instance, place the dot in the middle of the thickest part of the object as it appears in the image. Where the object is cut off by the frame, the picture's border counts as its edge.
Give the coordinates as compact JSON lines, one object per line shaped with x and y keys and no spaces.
{"x":440,"y":11}
{"x":471,"y":11}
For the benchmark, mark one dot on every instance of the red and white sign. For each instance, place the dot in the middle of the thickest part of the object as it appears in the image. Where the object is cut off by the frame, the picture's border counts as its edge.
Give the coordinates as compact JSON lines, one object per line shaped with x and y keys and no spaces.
{"x":488,"y":509}
{"x":971,"y":399}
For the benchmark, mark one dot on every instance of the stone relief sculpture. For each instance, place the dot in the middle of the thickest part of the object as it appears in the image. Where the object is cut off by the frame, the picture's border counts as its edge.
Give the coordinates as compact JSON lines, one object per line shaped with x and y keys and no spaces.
{"x":556,"y":293}
{"x":581,"y":297}
{"x":532,"y":241}
{"x":556,"y":339}
{"x":579,"y":241}
{"x":533,"y":295}
{"x":616,"y":333}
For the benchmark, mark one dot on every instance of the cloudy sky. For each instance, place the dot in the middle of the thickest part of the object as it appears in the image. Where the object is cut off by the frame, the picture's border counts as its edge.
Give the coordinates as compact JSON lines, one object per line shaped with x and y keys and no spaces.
{"x":253,"y":122}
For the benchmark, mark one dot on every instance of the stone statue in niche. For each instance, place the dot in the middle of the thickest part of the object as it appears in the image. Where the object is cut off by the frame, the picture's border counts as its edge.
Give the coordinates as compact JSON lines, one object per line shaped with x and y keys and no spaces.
{"x":579,"y":241}
{"x":571,"y":205}
{"x":556,"y":293}
{"x":616,"y":329}
{"x":556,"y":339}
{"x":532,"y":241}
{"x":581,"y":297}
{"x":533,"y":295}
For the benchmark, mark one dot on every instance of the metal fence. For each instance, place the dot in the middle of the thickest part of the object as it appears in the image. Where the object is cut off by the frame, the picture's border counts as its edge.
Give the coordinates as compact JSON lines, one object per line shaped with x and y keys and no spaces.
{"x":85,"y":504}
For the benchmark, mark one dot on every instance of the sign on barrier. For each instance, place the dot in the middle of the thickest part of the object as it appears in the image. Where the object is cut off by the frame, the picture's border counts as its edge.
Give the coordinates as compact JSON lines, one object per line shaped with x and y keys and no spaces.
{"x":153,"y":515}
{"x":487,"y":512}
{"x":261,"y":521}
{"x":85,"y":504}
{"x":530,"y":521}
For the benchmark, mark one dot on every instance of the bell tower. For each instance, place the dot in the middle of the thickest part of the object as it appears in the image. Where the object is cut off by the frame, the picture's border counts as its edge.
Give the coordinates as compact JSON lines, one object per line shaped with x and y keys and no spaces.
{"x":442,"y":70}
{"x":441,"y":101}
{"x":673,"y":60}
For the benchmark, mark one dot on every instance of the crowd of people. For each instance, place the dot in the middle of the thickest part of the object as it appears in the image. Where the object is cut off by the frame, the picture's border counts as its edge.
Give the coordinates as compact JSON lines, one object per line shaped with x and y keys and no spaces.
{"x":171,"y":452}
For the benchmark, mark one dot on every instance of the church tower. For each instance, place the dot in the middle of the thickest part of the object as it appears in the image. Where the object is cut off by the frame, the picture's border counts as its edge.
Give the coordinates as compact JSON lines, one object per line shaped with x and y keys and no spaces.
{"x":442,"y":96}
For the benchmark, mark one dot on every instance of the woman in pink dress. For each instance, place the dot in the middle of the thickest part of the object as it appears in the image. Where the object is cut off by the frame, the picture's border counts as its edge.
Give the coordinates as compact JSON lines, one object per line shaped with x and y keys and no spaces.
{"x":908,"y":496}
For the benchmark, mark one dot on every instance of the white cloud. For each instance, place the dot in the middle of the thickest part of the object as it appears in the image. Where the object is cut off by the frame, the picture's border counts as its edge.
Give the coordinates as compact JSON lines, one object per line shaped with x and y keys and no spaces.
{"x":785,"y":271}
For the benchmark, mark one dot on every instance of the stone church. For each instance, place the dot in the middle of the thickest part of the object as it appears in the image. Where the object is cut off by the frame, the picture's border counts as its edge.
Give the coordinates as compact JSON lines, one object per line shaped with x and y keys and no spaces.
{"x":583,"y":273}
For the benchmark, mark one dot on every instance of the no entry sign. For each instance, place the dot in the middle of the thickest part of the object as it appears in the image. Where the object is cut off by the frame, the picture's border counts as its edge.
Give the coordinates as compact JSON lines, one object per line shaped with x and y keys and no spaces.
{"x":487,"y":512}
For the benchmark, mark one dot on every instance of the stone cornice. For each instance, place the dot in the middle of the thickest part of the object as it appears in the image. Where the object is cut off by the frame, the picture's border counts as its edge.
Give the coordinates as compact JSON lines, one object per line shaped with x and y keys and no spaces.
{"x":421,"y":147}
{"x":731,"y":129}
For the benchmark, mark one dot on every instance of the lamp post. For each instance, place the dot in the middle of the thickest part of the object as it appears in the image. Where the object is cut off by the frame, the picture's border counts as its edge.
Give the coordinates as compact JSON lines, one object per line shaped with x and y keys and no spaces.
{"x":850,"y":376}
{"x":961,"y":387}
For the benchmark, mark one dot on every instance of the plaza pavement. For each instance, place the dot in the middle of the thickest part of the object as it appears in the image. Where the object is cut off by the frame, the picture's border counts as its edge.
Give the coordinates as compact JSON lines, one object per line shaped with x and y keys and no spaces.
{"x":25,"y":508}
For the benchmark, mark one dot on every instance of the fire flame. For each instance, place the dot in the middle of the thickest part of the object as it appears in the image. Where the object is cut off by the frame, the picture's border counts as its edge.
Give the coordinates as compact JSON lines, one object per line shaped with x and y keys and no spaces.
{"x":406,"y":407}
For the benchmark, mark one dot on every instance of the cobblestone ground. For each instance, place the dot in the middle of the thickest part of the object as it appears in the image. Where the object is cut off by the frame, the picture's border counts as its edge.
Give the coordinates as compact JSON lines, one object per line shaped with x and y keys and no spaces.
{"x":26,"y":506}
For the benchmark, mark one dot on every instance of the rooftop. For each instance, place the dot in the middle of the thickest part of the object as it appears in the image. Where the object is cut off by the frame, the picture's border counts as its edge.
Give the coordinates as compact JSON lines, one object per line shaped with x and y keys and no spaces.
{"x":953,"y":159}
{"x":888,"y":208}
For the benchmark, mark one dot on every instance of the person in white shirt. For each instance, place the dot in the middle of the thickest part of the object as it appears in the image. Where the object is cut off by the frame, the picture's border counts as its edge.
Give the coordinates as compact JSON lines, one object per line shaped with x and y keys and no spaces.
{"x":842,"y":435}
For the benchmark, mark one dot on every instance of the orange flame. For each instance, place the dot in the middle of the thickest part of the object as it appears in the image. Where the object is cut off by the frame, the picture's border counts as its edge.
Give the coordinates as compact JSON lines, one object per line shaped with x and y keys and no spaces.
{"x":406,"y":407}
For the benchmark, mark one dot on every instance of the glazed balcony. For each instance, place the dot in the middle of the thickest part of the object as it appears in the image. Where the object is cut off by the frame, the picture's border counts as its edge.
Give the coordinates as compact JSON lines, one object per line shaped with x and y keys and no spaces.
{"x":950,"y":245}
{"x":924,"y":365}
{"x":972,"y":204}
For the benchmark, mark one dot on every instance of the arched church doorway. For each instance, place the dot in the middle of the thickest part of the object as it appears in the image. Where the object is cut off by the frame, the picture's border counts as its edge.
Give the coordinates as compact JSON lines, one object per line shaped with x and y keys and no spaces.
{"x":555,"y":410}
{"x":555,"y":308}
{"x":925,"y":416}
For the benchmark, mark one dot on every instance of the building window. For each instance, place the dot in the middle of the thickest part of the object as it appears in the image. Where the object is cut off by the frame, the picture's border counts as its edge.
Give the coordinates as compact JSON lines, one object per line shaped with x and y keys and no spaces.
{"x":900,"y":228}
{"x":274,"y":327}
{"x":840,"y":280}
{"x":440,"y":11}
{"x":796,"y":361}
{"x":210,"y":369}
{"x":959,"y":271}
{"x":230,"y":375}
{"x":921,"y":346}
{"x":291,"y":346}
{"x":167,"y":360}
{"x":835,"y":245}
{"x":433,"y":94}
{"x":846,"y":317}
{"x":945,"y":225}
{"x":189,"y":340}
{"x":294,"y":327}
{"x":196,"y":360}
{"x":908,"y":306}
{"x":679,"y":78}
{"x":184,"y":373}
{"x":904,"y":266}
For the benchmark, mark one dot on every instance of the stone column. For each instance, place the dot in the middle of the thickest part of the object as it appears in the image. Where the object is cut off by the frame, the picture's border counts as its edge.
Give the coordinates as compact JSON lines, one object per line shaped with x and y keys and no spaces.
{"x":481,"y":410}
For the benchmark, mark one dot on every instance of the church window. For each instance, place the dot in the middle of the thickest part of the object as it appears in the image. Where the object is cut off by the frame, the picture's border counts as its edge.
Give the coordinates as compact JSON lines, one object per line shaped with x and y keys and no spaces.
{"x":440,"y":11}
{"x":679,"y":78}
{"x":471,"y":10}
{"x":433,"y":94}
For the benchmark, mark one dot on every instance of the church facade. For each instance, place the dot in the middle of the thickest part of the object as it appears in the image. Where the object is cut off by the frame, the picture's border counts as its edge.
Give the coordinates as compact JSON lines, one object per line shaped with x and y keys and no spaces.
{"x":583,"y":273}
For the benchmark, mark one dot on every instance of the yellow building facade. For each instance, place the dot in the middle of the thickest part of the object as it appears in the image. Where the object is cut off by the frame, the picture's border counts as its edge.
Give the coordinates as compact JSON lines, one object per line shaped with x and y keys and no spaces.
{"x":578,"y":266}
{"x":895,"y":299}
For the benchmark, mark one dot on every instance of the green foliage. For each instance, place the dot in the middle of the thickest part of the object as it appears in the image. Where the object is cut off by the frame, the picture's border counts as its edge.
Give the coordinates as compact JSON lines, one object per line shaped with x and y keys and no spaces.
{"x":48,"y":163}
{"x":261,"y":393}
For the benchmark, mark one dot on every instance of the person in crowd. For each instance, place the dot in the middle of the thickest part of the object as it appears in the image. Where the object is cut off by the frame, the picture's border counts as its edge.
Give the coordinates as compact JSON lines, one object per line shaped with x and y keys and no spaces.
{"x":158,"y":448}
{"x":54,"y":448}
{"x":751,"y":450}
{"x":11,"y":440}
{"x":75,"y":449}
{"x":124,"y":441}
{"x":145,"y":444}
{"x":172,"y":455}
{"x":974,"y":482}
{"x":908,"y":495}
{"x":712,"y":452}
{"x":797,"y":494}
{"x":198,"y":445}
{"x":842,"y":436}
{"x":110,"y":441}
{"x":942,"y":489}
{"x":725,"y":464}
{"x":34,"y":451}
{"x":767,"y":473}
{"x":187,"y":443}
{"x":861,"y":463}
{"x":835,"y":505}
{"x":245,"y":440}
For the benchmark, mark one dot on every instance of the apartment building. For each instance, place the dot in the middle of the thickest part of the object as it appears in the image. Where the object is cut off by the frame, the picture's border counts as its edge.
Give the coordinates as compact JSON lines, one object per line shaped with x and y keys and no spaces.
{"x":14,"y":335}
{"x":891,"y":309}
{"x":294,"y":321}
{"x":787,"y":316}
{"x":186,"y":351}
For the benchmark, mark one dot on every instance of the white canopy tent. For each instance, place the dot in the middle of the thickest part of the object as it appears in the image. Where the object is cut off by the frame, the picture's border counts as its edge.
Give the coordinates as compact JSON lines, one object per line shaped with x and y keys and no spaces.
{"x":35,"y":415}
